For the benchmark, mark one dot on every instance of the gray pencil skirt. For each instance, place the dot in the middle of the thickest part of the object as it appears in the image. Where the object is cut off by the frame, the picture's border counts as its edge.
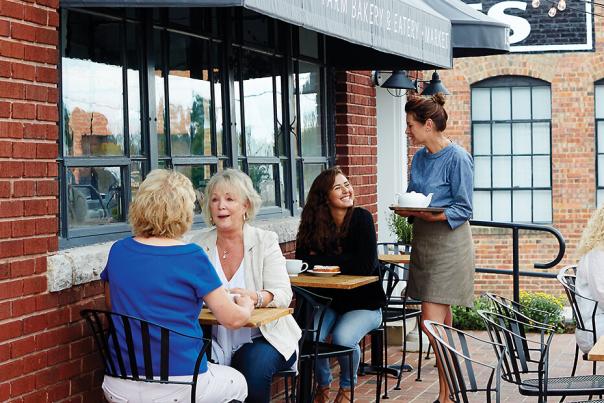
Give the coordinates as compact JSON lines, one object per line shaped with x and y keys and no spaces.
{"x":442,"y":263}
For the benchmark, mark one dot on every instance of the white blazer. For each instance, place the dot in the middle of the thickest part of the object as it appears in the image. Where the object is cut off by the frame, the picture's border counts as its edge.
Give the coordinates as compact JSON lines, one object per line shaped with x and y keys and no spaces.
{"x":264,"y":267}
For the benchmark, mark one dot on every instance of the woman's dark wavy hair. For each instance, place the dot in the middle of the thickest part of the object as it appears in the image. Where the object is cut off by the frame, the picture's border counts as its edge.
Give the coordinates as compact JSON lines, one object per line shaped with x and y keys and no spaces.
{"x":318,"y":231}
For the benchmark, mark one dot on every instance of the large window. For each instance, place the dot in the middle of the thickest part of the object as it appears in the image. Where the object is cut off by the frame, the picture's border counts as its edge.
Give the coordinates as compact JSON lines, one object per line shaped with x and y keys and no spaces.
{"x":511,"y":145}
{"x":599,"y":100}
{"x":196,"y":90}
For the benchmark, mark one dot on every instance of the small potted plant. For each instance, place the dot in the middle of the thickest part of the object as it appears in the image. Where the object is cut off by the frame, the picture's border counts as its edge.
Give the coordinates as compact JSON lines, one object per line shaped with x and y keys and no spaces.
{"x":402,"y":229}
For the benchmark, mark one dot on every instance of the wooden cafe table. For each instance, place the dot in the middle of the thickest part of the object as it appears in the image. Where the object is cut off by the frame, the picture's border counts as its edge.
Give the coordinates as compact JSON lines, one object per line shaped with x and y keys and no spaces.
{"x":597,"y":351}
{"x":260,"y":316}
{"x":396,"y":259}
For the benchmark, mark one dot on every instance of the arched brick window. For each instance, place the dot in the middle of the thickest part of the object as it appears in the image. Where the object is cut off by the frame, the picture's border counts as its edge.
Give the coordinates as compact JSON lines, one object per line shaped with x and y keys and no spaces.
{"x":511,"y":145}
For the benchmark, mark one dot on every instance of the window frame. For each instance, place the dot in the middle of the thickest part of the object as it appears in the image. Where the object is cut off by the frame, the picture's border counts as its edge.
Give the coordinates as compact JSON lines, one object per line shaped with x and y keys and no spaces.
{"x":509,"y":82}
{"x":597,"y":153}
{"x":289,"y":203}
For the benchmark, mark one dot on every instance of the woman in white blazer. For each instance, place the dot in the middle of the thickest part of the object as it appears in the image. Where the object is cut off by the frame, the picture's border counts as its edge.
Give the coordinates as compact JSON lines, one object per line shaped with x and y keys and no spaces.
{"x":249,"y":262}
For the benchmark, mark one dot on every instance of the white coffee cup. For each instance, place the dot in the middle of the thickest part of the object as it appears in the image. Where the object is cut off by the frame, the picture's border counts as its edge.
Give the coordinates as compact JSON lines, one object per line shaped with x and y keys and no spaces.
{"x":295,"y":266}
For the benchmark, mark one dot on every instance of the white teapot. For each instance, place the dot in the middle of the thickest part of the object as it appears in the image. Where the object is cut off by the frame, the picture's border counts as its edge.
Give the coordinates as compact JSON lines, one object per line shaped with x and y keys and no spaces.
{"x":413,"y":199}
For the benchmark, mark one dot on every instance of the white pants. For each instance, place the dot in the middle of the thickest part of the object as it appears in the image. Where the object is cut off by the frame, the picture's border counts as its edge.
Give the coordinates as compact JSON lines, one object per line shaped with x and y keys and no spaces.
{"x":219,"y":384}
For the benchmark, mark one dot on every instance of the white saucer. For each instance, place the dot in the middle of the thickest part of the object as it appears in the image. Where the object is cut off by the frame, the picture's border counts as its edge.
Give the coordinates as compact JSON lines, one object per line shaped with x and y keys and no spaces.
{"x":323,"y":274}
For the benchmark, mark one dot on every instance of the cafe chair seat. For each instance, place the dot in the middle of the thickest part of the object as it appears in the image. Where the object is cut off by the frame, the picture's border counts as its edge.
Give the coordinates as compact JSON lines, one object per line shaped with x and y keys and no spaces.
{"x":141,"y":333}
{"x":565,"y":386}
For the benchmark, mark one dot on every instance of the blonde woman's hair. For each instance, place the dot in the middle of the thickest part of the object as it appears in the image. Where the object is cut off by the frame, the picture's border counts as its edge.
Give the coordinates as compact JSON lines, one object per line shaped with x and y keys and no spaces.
{"x":593,"y":234}
{"x":234,"y":181}
{"x":163,"y":206}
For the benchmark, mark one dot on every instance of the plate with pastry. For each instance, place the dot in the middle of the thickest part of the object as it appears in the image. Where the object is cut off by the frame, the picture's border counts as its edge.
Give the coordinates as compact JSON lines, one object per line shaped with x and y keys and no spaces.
{"x":325,"y":271}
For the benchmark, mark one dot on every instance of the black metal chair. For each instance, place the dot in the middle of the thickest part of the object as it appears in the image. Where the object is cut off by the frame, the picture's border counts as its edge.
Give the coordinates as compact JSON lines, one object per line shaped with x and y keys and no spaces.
{"x":460,"y":367}
{"x":567,"y":277}
{"x":527,"y":357}
{"x":511,"y":308}
{"x":396,"y":309}
{"x":308,"y":307}
{"x":120,"y":361}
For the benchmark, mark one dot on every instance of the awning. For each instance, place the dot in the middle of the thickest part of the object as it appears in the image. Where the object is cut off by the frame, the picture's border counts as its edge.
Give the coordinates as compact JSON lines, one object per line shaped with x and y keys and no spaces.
{"x":474,"y":33}
{"x":361,"y":33}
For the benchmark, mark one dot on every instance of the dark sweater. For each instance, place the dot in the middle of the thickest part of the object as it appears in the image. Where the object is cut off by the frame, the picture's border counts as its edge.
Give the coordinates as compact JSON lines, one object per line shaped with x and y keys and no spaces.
{"x":358,"y":257}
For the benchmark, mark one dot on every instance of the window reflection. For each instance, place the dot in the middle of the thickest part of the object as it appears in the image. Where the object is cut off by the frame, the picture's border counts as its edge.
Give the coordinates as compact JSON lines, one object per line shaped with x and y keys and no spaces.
{"x":310,"y":111}
{"x":160,"y":97}
{"x":263,"y":178}
{"x":199,"y":176}
{"x":190,"y":96}
{"x":133,"y":58}
{"x":94,"y":196}
{"x":91,"y":70}
{"x":258,"y":104}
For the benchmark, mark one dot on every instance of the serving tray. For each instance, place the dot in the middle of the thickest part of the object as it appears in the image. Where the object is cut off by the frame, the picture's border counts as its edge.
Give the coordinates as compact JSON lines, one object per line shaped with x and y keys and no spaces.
{"x":426,"y":209}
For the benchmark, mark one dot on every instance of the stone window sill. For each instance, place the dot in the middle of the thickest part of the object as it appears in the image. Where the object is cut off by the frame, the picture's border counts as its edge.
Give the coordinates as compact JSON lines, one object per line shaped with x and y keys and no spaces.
{"x":71,"y":267}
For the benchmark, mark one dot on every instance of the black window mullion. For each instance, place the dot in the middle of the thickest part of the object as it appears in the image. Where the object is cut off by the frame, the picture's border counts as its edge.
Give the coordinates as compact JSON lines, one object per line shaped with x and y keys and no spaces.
{"x":166,"y":73}
{"x":149,"y":129}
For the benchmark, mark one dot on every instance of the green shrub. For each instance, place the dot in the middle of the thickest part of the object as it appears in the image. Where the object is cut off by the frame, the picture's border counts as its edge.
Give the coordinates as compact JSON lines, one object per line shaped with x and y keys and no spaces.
{"x":400,"y":227}
{"x":467,"y":318}
{"x":534,"y":302}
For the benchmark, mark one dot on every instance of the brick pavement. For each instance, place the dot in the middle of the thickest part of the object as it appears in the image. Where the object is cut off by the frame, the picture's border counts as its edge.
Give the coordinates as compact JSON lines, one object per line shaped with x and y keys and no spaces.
{"x":427,"y":390}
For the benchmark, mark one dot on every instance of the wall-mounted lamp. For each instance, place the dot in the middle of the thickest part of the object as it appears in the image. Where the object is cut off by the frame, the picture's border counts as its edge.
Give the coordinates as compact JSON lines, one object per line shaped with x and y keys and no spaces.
{"x":399,"y":83}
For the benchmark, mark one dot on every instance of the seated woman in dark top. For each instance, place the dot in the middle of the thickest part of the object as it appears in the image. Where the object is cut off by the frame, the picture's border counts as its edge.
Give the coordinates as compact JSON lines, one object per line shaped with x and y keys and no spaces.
{"x":334,"y":232}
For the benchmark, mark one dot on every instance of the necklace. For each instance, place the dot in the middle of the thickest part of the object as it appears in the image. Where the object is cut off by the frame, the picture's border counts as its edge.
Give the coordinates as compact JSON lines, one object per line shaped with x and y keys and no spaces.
{"x":225,"y":253}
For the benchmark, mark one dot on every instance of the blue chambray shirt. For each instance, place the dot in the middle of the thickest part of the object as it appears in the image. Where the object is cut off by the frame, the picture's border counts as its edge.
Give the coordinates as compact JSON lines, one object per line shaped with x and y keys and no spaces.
{"x":449,"y":175}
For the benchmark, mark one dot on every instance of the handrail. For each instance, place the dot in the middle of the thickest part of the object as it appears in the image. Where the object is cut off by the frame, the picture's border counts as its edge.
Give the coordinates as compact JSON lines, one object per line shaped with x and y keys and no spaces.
{"x":516,"y":227}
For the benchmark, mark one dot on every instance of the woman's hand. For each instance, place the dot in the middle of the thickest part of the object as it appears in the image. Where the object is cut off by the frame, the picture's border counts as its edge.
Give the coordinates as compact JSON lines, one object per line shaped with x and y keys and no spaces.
{"x":245,"y":302}
{"x":267,"y":297}
{"x":430,"y":217}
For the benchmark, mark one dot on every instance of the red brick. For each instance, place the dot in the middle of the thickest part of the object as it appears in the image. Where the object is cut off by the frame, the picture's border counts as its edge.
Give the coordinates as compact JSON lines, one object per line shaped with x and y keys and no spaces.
{"x":22,"y":31}
{"x":35,"y":246}
{"x":58,"y":392}
{"x":12,"y":369}
{"x":34,"y":324}
{"x":52,"y":170}
{"x":35,"y":131}
{"x":58,"y":336}
{"x":6,"y":149}
{"x":47,"y":226}
{"x":23,"y":111}
{"x":35,"y":362}
{"x":24,"y":188}
{"x":81,"y":348}
{"x":11,"y":289}
{"x":46,"y":151}
{"x":11,"y":90}
{"x":53,"y":19}
{"x":21,"y":347}
{"x":34,"y":207}
{"x":4,"y":270}
{"x":11,"y":9}
{"x":33,"y":285}
{"x":4,"y":352}
{"x":5,"y":232}
{"x":35,"y":14}
{"x":47,"y":188}
{"x":46,"y":75}
{"x":81,"y":384}
{"x":11,"y":208}
{"x":12,"y":49}
{"x":4,"y":27}
{"x":42,"y":262}
{"x":23,"y":385}
{"x":11,"y":330}
{"x":23,"y":71}
{"x":23,"y":228}
{"x":58,"y":317}
{"x":4,"y":109}
{"x":69,"y":369}
{"x":49,"y":113}
{"x":58,"y":354}
{"x":23,"y":150}
{"x":23,"y":306}
{"x":47,"y":301}
{"x":4,"y":66}
{"x":47,"y":36}
{"x":34,"y":169}
{"x":11,"y":129}
{"x":36,"y":92}
{"x":39,"y":54}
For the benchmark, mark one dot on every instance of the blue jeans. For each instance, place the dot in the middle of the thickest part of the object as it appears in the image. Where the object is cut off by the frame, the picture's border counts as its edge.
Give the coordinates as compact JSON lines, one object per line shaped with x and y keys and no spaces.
{"x":347,"y":330}
{"x":258,"y":361}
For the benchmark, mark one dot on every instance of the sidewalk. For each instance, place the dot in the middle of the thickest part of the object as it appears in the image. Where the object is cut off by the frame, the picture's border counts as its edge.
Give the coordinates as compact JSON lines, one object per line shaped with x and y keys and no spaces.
{"x":426,"y":391}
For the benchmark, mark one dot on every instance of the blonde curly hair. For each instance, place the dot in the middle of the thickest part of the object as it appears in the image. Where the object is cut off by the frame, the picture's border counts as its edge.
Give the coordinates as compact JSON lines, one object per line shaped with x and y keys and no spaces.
{"x":163,"y":206}
{"x":593,"y":234}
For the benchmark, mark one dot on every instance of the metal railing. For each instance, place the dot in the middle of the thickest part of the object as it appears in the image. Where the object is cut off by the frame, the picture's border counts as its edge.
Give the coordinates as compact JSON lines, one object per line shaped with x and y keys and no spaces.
{"x":515,"y":272}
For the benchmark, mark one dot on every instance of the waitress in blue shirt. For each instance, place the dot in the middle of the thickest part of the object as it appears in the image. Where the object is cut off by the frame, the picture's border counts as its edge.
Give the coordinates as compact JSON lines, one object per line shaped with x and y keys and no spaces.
{"x":442,"y":257}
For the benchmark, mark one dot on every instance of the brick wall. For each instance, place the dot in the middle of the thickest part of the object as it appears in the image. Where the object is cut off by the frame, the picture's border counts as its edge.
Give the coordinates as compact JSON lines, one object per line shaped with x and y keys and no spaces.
{"x":43,"y":355}
{"x":356,"y":135}
{"x":571,"y":76}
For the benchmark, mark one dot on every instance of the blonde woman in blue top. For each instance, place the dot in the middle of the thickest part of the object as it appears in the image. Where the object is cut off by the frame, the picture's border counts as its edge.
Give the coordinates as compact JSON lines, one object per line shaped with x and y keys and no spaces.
{"x":156,"y":276}
{"x":442,"y":257}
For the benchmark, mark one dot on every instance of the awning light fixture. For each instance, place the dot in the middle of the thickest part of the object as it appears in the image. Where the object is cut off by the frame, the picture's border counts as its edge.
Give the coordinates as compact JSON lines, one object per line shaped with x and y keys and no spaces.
{"x":399,"y":83}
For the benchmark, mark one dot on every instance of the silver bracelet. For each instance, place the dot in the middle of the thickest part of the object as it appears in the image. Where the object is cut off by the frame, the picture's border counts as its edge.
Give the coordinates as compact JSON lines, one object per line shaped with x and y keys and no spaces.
{"x":260,"y":301}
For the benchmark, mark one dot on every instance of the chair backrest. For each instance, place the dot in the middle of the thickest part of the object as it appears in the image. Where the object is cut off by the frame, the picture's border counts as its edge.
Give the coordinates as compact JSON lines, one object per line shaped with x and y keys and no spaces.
{"x":309,"y":312}
{"x":524,"y":355}
{"x":460,"y":367}
{"x":513,"y":309}
{"x":117,"y":336}
{"x":393,"y":248}
{"x":390,"y":279}
{"x":567,"y":277}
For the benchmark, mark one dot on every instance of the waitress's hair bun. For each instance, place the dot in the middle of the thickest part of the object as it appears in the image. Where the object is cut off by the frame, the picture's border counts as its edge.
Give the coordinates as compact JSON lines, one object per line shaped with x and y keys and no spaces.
{"x":439,"y":98}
